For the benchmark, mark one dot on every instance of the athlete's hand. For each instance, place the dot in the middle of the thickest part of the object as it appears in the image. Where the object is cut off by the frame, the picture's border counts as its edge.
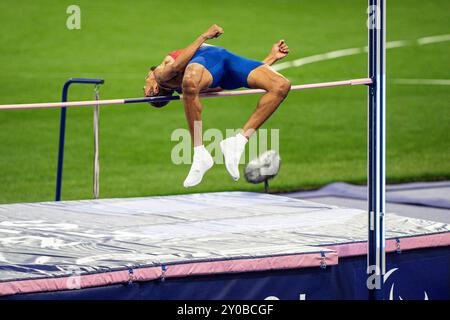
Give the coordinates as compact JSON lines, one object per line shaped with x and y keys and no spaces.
{"x":280,"y":50}
{"x":213,"y":32}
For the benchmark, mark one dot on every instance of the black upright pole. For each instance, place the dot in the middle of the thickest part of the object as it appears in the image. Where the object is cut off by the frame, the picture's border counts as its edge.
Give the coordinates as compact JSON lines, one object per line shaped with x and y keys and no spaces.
{"x":376,"y":257}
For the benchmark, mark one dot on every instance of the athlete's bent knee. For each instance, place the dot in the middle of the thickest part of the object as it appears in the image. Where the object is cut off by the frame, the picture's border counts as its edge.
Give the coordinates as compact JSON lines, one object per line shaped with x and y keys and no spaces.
{"x":282,"y":87}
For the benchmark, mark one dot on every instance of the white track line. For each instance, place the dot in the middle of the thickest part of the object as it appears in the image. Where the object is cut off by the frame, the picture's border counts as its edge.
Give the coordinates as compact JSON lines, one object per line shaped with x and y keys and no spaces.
{"x":434,"y":39}
{"x":288,"y":64}
{"x":431,"y":82}
{"x":353,"y":51}
{"x":318,"y":57}
{"x":398,"y":44}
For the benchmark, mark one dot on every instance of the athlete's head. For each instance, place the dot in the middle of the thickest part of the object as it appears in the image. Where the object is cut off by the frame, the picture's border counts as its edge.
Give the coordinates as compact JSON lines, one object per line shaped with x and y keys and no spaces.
{"x":153,"y":89}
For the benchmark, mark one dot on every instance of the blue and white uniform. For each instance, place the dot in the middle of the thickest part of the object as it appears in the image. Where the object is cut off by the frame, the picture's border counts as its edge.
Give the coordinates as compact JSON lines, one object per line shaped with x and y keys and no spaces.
{"x":229,"y":70}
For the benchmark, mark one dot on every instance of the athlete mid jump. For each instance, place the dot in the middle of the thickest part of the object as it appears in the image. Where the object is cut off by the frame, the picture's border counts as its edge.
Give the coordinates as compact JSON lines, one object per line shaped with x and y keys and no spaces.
{"x":205,"y":68}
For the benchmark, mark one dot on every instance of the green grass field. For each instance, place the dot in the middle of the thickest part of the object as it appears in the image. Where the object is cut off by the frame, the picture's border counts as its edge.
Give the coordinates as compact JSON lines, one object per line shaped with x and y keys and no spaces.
{"x":322,"y":132}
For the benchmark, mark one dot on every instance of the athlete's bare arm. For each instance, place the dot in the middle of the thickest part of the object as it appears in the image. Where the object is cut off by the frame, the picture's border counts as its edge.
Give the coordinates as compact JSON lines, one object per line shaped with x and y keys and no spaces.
{"x":168,"y":71}
{"x":278,"y":52}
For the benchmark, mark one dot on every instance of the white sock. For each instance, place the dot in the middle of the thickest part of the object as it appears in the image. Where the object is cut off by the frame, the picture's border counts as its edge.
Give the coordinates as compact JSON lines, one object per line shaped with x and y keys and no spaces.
{"x":241,"y":140}
{"x":232,"y":149}
{"x":200,"y":150}
{"x":202,"y":162}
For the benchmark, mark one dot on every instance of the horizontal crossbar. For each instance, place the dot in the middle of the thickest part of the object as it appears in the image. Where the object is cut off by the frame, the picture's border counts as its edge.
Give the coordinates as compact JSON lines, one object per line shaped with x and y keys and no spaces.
{"x":352,"y":82}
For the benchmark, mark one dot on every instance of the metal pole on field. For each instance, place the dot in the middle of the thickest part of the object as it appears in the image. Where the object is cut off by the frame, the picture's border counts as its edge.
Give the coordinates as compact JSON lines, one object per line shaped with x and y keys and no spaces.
{"x":62,"y":129}
{"x":376,"y":258}
{"x":96,"y":166}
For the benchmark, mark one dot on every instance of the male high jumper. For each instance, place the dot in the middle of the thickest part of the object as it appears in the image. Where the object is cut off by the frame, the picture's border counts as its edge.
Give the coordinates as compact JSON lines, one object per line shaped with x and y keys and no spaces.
{"x":203,"y":68}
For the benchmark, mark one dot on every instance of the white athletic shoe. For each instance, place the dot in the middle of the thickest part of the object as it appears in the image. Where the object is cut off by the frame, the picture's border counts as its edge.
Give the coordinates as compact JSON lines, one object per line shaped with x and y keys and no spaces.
{"x":202,"y":162}
{"x":232,"y":149}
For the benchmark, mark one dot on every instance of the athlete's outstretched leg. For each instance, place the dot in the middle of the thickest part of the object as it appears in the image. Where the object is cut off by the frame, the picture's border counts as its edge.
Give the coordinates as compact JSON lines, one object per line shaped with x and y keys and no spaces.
{"x":196,"y":78}
{"x":277,"y":88}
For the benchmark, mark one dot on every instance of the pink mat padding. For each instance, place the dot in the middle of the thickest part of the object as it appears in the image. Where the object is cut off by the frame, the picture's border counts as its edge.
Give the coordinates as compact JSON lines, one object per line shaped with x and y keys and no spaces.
{"x":178,"y":270}
{"x":63,"y":283}
{"x":248,"y":265}
{"x":407,"y":243}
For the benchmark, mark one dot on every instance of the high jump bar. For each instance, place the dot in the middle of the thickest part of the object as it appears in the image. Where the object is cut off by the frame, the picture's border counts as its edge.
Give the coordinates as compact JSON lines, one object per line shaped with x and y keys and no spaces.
{"x":352,"y":82}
